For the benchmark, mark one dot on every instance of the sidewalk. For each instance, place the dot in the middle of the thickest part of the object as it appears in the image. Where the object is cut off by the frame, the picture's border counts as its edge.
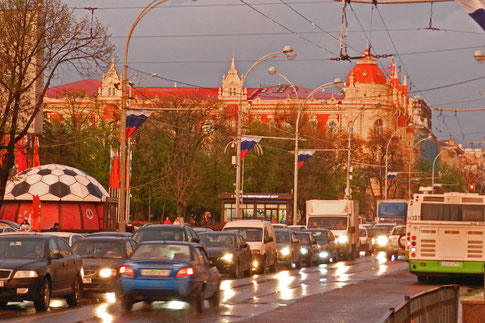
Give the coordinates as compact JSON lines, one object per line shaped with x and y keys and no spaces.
{"x":367,"y":301}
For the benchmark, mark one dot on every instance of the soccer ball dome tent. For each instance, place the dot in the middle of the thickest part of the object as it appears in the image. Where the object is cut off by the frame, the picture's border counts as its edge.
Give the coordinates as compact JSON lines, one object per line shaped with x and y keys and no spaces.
{"x":68,"y":196}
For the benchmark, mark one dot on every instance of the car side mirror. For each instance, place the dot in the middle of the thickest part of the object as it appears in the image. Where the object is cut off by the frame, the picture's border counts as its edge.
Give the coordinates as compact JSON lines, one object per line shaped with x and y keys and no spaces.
{"x":194,"y":239}
{"x":268,"y":239}
{"x":56,"y":256}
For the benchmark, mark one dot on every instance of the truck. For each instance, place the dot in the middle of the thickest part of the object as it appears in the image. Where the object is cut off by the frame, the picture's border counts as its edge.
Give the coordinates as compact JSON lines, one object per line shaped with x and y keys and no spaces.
{"x":392,"y":211}
{"x":342,"y":218}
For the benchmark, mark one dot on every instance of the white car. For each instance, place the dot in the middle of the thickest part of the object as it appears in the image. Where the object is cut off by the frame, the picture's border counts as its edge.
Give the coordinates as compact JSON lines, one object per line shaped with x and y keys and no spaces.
{"x":69,"y":237}
{"x":397,"y":242}
{"x":297,"y":227}
{"x":365,"y":240}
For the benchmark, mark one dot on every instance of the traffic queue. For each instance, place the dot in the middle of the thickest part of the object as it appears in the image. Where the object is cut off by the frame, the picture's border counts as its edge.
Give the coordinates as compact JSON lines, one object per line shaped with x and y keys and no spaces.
{"x":159,"y":262}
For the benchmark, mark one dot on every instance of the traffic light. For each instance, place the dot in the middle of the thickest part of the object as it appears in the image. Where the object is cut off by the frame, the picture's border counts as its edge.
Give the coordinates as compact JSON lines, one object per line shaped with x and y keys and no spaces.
{"x":471,"y":187}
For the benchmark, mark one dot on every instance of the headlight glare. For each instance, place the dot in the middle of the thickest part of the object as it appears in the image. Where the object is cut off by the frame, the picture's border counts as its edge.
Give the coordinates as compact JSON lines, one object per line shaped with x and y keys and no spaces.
{"x":105,"y":272}
{"x":227,"y":257}
{"x":304,"y":251}
{"x":285,"y":251}
{"x":343,"y":239}
{"x":382,"y":240}
{"x":25,"y":274}
{"x":323,"y":254}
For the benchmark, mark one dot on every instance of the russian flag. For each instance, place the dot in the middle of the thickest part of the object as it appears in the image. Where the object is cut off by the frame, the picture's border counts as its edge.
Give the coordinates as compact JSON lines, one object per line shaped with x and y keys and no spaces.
{"x":303,"y":156}
{"x":476,"y":10}
{"x":247,"y":143}
{"x":391,"y":176}
{"x":134,"y":120}
{"x":436,"y":187}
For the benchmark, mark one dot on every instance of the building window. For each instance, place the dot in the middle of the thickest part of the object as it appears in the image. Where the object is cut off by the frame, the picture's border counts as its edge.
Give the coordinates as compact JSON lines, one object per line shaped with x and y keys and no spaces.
{"x":379,"y":127}
{"x":332,"y":127}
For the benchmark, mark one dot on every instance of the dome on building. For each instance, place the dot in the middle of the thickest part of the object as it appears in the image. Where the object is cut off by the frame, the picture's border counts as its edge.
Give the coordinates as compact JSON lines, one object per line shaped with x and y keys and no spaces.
{"x":55,"y":182}
{"x":366,"y":71}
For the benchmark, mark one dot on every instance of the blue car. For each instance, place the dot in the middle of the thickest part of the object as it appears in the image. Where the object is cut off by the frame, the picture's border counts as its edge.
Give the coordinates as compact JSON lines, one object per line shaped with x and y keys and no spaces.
{"x":166,"y":271}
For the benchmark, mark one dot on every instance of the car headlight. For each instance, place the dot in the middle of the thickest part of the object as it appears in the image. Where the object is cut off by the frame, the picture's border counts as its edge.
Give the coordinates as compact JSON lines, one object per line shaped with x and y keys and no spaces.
{"x":323,"y":254}
{"x":285,"y":251}
{"x":227,"y":257}
{"x":304,"y":251}
{"x":25,"y":274}
{"x":382,"y":240}
{"x":82,"y":272}
{"x":343,"y":239}
{"x":107,"y":272}
{"x":373,"y":240}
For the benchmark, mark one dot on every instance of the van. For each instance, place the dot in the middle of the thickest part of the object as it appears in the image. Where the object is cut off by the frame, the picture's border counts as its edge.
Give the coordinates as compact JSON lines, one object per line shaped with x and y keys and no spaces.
{"x":261,"y":238}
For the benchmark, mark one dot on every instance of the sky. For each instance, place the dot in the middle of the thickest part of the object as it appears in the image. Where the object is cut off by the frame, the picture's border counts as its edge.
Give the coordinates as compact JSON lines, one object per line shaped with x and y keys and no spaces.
{"x":193,"y":42}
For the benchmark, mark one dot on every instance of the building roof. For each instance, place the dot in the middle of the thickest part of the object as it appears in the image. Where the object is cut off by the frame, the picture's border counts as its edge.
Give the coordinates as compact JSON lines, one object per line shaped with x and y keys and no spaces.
{"x":366,"y":71}
{"x":153,"y":92}
{"x":88,"y":87}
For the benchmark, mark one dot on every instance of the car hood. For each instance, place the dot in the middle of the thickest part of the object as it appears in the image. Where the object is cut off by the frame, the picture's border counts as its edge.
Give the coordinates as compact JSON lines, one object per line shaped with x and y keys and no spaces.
{"x":255,"y":245}
{"x":22,"y":263}
{"x":282,"y":245}
{"x":93,"y":263}
{"x":218,"y":252}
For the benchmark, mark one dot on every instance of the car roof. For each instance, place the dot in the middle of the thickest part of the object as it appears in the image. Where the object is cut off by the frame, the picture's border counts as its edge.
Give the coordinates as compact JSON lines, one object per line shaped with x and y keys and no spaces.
{"x":315,"y":230}
{"x":26,"y":234}
{"x":282,"y":230}
{"x":107,"y":238}
{"x":226,"y":233}
{"x":161,"y":226}
{"x":185,"y":243}
{"x":60,"y":234}
{"x":255,"y":223}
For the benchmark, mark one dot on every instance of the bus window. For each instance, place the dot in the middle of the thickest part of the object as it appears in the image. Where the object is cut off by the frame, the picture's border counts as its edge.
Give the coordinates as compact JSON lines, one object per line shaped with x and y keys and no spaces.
{"x":452,"y":212}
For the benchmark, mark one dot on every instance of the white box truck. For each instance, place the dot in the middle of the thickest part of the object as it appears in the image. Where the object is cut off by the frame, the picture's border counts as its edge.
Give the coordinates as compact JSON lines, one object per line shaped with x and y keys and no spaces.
{"x":342,"y":218}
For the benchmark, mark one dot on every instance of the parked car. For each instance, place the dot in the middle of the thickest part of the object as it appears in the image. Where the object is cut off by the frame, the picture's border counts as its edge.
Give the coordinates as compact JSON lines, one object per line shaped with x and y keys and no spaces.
{"x":166,"y":232}
{"x":327,"y":245}
{"x":289,"y":248}
{"x":164,"y":271}
{"x":365,"y":240}
{"x":396,"y":242}
{"x":69,"y":237}
{"x":101,"y":256}
{"x":112,"y":234}
{"x":309,"y":248}
{"x":229,"y":252}
{"x":36,"y":267}
{"x":10,"y":224}
{"x":260,"y":236}
{"x":200,"y":230}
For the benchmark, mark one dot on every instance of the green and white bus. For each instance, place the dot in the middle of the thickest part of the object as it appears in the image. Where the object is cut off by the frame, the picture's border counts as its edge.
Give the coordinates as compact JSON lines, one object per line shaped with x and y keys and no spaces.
{"x":446,"y":234}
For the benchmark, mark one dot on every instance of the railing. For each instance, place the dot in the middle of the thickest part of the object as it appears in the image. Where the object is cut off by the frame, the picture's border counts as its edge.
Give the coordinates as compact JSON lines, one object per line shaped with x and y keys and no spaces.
{"x":436,"y":305}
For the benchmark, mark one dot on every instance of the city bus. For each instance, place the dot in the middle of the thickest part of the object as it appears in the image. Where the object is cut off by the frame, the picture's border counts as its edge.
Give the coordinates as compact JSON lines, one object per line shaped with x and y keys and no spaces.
{"x":446,"y":235}
{"x":392,"y":211}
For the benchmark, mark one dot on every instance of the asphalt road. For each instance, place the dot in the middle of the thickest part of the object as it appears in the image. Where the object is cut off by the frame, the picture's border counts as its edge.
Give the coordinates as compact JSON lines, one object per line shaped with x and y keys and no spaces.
{"x":350,"y":291}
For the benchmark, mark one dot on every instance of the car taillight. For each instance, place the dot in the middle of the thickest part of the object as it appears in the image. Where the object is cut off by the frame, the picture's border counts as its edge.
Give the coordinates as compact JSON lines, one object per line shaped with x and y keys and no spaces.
{"x":126,"y":270}
{"x":413,"y":238}
{"x":413,"y":243}
{"x":185,"y":271}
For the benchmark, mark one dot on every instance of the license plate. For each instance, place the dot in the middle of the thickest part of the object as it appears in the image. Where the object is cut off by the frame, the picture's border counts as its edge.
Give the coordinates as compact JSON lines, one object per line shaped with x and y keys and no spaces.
{"x":155,"y":272}
{"x":2,"y":283}
{"x":451,"y":264}
{"x":87,"y":280}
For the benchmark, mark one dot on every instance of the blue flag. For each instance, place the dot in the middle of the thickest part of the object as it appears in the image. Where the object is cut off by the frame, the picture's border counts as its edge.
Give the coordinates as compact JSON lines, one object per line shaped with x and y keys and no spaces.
{"x":303,"y":156}
{"x":247,"y":143}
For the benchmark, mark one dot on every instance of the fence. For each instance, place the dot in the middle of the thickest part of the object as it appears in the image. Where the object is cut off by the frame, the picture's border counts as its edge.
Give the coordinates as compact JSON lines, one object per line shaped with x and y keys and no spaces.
{"x":436,"y":305}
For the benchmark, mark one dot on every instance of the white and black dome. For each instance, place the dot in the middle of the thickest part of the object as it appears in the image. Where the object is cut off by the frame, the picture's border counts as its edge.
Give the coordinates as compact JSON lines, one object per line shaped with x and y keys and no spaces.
{"x":55,"y":182}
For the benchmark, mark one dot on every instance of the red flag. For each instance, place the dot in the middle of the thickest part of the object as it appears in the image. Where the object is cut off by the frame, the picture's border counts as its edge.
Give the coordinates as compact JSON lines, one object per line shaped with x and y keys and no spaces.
{"x":21,"y":156}
{"x":36,"y":159}
{"x":35,"y":220}
{"x":114,"y":176}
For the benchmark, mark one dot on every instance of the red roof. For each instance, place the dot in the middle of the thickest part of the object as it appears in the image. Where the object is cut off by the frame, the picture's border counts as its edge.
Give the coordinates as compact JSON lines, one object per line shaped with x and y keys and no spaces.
{"x":88,"y":87}
{"x":367,"y":71}
{"x":152,"y":92}
{"x":284,"y":91}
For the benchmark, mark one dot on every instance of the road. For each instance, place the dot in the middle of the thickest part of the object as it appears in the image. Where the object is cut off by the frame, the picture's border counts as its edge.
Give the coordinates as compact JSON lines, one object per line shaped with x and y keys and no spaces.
{"x":347,"y":291}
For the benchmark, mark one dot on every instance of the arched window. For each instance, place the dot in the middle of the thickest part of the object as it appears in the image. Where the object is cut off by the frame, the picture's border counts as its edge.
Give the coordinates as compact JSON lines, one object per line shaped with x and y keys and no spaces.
{"x":379,"y":127}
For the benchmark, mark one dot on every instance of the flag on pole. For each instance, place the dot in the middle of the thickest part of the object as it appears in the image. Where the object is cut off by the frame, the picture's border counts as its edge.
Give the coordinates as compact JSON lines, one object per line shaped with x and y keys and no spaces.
{"x":35,"y":217}
{"x":114,"y":174}
{"x":303,"y":156}
{"x":134,"y":120}
{"x":247,"y":143}
{"x":391,"y":66}
{"x":476,"y":10}
{"x":390,"y":176}
{"x":436,"y":187}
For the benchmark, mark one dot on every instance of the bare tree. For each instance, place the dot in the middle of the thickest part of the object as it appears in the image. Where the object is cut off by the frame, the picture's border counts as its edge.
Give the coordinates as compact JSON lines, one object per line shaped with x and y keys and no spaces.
{"x":37,"y":38}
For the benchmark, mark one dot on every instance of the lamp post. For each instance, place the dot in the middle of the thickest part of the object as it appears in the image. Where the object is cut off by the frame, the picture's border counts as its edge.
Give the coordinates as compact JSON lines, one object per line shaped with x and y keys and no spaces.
{"x":287,"y":52}
{"x":386,"y":157}
{"x":434,"y":163}
{"x":124,"y":100}
{"x":337,"y":83}
{"x":410,"y":161}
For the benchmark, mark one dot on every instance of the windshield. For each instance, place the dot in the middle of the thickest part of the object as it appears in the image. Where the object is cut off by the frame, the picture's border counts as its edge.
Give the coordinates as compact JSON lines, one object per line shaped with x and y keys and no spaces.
{"x":218,"y":240}
{"x":282,"y":236}
{"x":399,"y":230}
{"x":392,"y":210}
{"x":361,"y":232}
{"x":162,"y":251}
{"x":22,"y":248}
{"x":250,"y":234}
{"x":303,"y":237}
{"x":452,"y":212}
{"x":165,"y":234}
{"x":332,"y":223}
{"x":378,"y":232}
{"x":98,"y":249}
{"x":320,"y":236}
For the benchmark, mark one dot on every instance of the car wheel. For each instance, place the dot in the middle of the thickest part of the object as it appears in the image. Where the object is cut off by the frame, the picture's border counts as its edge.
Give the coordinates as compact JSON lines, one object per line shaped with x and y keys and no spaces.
{"x":197,"y":302}
{"x":74,"y":298}
{"x":126,"y":303}
{"x":215,"y":299}
{"x":298,"y":264}
{"x":263,"y":266}
{"x":43,"y":301}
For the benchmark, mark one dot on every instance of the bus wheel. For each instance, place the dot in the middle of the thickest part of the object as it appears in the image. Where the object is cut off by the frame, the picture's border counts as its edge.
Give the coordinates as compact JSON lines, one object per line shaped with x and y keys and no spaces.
{"x":422,"y":278}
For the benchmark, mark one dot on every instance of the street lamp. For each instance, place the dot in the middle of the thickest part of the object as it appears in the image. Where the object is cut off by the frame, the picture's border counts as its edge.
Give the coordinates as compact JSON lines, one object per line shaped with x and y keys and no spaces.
{"x":386,"y":157}
{"x":124,"y":100}
{"x":287,"y":52}
{"x":479,"y":56}
{"x":434,"y":163}
{"x":410,"y":161}
{"x":337,"y":83}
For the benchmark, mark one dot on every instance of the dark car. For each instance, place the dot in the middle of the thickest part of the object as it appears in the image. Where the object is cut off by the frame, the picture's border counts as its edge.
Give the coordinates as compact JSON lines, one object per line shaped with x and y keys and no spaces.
{"x":111,"y":234}
{"x":101,"y":256}
{"x":200,"y":230}
{"x":289,"y":248}
{"x":7,"y":229}
{"x":36,"y":267}
{"x":166,"y":232}
{"x":10,"y":224}
{"x":309,"y":247}
{"x":165,"y":271}
{"x":326,"y":242}
{"x":229,"y":252}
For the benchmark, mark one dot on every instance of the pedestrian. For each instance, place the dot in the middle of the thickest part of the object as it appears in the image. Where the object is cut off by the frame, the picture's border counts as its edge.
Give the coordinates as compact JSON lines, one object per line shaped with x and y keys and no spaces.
{"x":25,"y":226}
{"x":55,"y":228}
{"x":208,"y":218}
{"x":167,"y":221}
{"x":176,"y":221}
